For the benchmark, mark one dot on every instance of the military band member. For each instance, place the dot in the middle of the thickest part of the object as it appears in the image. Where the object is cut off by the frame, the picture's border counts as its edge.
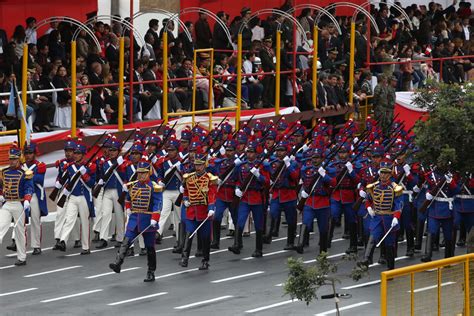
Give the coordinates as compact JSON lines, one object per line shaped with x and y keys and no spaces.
{"x":16,"y":191}
{"x":143,"y":206}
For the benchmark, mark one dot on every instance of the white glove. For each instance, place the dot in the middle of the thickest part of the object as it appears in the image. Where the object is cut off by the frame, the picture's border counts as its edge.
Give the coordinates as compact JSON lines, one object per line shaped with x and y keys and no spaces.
{"x":210,"y":213}
{"x":100,"y":182}
{"x":187,"y":203}
{"x":407,"y":169}
{"x":124,"y":187}
{"x":355,"y":140}
{"x":119,"y":160}
{"x":161,"y":184}
{"x":2,"y":199}
{"x":128,"y":212}
{"x":26,"y":205}
{"x":238,"y":193}
{"x":293,"y":158}
{"x":371,"y":211}
{"x":181,"y":189}
{"x":322,"y":171}
{"x":349,"y":167}
{"x":394,"y":222}
{"x":237,"y":161}
{"x":287,"y":160}
{"x":219,"y":181}
{"x":83,"y":170}
{"x":362,"y":194}
{"x":66,"y":192}
{"x":428,"y":196}
{"x":255,"y":172}
{"x":305,"y":147}
{"x":449,"y":178}
{"x":154,"y":159}
{"x":304,"y":195}
{"x":153,"y":223}
{"x":416,"y":189}
{"x":58,"y":185}
{"x":222,"y":150}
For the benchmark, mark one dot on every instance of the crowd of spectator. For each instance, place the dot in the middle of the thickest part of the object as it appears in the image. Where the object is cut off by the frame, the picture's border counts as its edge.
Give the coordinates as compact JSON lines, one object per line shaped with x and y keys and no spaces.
{"x":432,"y":32}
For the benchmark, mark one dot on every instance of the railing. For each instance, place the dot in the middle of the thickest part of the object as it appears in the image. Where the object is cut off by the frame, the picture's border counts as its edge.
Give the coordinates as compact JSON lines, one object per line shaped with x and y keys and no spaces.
{"x":441,"y":287}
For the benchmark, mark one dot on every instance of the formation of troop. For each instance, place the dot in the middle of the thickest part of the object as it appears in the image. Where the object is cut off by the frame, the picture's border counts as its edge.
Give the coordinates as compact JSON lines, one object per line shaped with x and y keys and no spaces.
{"x":197,"y":180}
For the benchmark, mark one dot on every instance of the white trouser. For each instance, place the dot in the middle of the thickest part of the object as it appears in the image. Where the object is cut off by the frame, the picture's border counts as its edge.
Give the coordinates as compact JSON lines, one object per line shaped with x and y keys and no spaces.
{"x":35,"y":222}
{"x":110,"y":203}
{"x":98,"y":210}
{"x":77,"y":205}
{"x":112,"y":226}
{"x":231,"y":224}
{"x":59,"y":223}
{"x":14,"y":210}
{"x":169,"y":197}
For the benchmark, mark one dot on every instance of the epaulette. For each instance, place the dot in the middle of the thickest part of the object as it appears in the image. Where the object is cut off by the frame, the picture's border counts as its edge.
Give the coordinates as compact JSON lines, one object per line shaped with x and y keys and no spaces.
{"x":212,"y":177}
{"x":187,"y":175}
{"x":398,"y":189}
{"x":29,"y":174}
{"x":372,"y":185}
{"x":157,"y":187}
{"x":129,"y":184}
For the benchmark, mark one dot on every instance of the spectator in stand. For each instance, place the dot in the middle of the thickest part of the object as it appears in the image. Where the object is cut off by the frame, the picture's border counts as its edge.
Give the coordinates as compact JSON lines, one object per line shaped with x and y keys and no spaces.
{"x":112,"y":52}
{"x":153,"y":26}
{"x":184,"y":87}
{"x":254,"y":85}
{"x":82,"y":45}
{"x":321,"y":91}
{"x":43,"y":109}
{"x":203,"y":32}
{"x":245,"y":13}
{"x":219,"y":37}
{"x":267,"y":55}
{"x":56,"y":46}
{"x":18,"y":39}
{"x":258,"y":33}
{"x":30,"y":31}
{"x":187,"y":44}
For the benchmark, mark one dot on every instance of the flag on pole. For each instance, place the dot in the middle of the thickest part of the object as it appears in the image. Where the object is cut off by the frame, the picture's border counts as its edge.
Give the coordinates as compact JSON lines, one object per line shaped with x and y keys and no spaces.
{"x":23,"y":117}
{"x":11,"y":102}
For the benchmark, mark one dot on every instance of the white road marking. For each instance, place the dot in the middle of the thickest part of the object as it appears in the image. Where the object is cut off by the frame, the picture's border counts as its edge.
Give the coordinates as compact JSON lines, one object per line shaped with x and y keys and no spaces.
{"x":280,"y":284}
{"x":138,"y":298}
{"x":270,"y":306}
{"x":92,"y":251}
{"x":329,"y":257}
{"x":7,"y":267}
{"x":238,"y":277}
{"x":20,"y":291}
{"x":217,"y":299}
{"x":72,"y":295}
{"x":431,"y":287}
{"x":51,"y":271}
{"x":176,"y":273}
{"x":396,"y":259}
{"x":360,"y":285}
{"x":112,"y":272}
{"x":29,"y":251}
{"x":267,"y":254}
{"x":332,"y":311}
{"x":211,"y":253}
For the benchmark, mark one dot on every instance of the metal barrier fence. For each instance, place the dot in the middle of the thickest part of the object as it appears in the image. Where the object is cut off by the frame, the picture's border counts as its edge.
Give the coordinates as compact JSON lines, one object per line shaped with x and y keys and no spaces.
{"x":442,"y":287}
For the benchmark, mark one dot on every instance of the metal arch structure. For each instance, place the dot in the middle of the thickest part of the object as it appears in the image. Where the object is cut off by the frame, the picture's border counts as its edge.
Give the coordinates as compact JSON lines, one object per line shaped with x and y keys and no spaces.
{"x":320,"y":9}
{"x":357,"y":7}
{"x":127,"y":25}
{"x":169,"y":15}
{"x":396,"y":6}
{"x":75,"y":22}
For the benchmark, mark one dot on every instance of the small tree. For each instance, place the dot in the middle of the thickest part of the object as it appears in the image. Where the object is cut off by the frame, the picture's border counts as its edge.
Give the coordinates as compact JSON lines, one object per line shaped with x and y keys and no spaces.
{"x":304,"y":282}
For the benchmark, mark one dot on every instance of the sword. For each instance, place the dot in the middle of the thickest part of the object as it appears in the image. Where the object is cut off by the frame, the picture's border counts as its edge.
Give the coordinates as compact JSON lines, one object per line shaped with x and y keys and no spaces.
{"x":14,"y":226}
{"x":131,"y":243}
{"x":194,"y":232}
{"x":385,"y":236}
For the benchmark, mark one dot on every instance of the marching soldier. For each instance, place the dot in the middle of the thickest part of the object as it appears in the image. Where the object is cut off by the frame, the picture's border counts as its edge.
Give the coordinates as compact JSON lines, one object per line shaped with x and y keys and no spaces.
{"x":199,"y":198}
{"x":384,"y":204}
{"x":38,"y":203}
{"x":16,"y":191}
{"x":143,"y":206}
{"x":464,"y":207}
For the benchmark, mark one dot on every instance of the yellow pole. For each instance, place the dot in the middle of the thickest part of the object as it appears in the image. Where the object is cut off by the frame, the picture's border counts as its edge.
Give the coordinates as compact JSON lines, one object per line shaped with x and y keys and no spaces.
{"x":315,"y":65}
{"x":277,"y":77}
{"x":383,"y":294}
{"x":121,"y":74}
{"x":165,"y":77}
{"x":211,"y":84}
{"x":239,"y":81}
{"x":351,"y":68}
{"x":194,"y":88}
{"x":24,"y":87}
{"x":467,"y":289}
{"x":412,"y":294}
{"x":73,"y":89}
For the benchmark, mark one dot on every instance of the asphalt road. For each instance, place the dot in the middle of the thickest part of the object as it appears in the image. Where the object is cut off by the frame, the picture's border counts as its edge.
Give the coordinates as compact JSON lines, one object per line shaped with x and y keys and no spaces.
{"x":67,"y":283}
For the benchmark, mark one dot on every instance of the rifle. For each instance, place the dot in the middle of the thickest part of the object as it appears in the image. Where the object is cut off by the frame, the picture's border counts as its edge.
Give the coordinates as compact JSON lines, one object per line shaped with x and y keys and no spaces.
{"x":427,"y":203}
{"x":71,"y":184}
{"x":111,"y":170}
{"x":54,"y":194}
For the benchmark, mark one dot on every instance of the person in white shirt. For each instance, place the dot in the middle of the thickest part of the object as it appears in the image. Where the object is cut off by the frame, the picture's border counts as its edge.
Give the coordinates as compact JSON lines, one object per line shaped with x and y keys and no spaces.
{"x":31,"y":35}
{"x":254,"y":85}
{"x":466,"y":29}
{"x":258,"y":32}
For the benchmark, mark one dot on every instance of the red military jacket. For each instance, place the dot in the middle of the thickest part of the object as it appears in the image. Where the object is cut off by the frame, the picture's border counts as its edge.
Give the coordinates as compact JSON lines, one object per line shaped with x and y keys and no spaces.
{"x":200,"y":191}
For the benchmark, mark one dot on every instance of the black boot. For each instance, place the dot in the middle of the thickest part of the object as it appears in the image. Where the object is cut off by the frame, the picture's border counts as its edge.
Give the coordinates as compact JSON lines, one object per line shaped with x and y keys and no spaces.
{"x":36,"y":251}
{"x":186,"y":250}
{"x":462,"y":236}
{"x":216,"y":234}
{"x":290,"y":239}
{"x":276,"y":228}
{"x":258,"y":244}
{"x":238,"y":244}
{"x":436,"y":242}
{"x":199,"y":251}
{"x":390,"y":253}
{"x":306,"y":239}
{"x":77,"y":244}
{"x":429,"y":249}
{"x":117,"y":265}
{"x":12,"y":247}
{"x":420,"y":226}
{"x":353,"y":239}
{"x":382,"y":259}
{"x":62,"y":246}
{"x":158,"y":239}
{"x":206,"y":249}
{"x":410,"y":243}
{"x":96,"y":237}
{"x":347,"y":227}
{"x":267,"y":239}
{"x":323,"y":242}
{"x":449,"y":249}
{"x":102,"y":244}
{"x":300,"y":247}
{"x":360,"y":232}
{"x":400,"y":235}
{"x":332,"y":226}
{"x":181,"y":239}
{"x":151,"y":260}
{"x":369,"y":253}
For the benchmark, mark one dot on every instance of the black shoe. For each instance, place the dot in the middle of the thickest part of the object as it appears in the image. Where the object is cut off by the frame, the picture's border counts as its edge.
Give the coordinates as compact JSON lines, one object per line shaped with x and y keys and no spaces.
{"x":118,"y":244}
{"x":77,"y":244}
{"x":113,"y":238}
{"x":461,"y":242}
{"x":20,"y":263}
{"x":300,"y":249}
{"x":56,"y":246}
{"x":115,"y":267}
{"x":246,"y":234}
{"x":86,"y":252}
{"x":102,"y":244}
{"x":142,"y":252}
{"x":257,"y":254}
{"x":62,"y":246}
{"x":96,"y":237}
{"x":12,"y":247}
{"x":158,"y":238}
{"x":351,"y":249}
{"x":171,"y":227}
{"x":36,"y":251}
{"x":235,"y":249}
{"x":204,"y":265}
{"x":178,"y":250}
{"x":150,"y":277}
{"x":184,"y":262}
{"x":230,"y":233}
{"x":130,"y":252}
{"x":410,"y":252}
{"x":364,"y":264}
